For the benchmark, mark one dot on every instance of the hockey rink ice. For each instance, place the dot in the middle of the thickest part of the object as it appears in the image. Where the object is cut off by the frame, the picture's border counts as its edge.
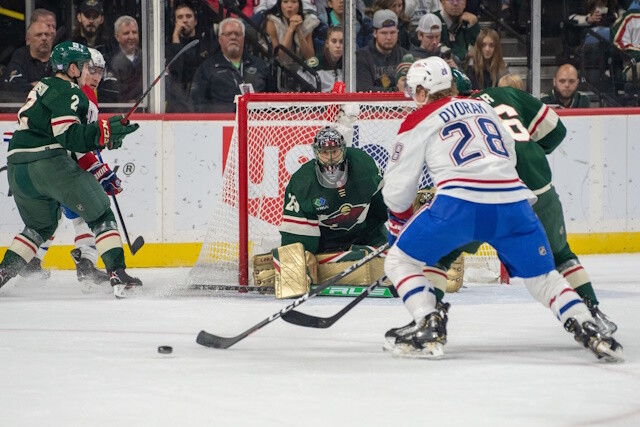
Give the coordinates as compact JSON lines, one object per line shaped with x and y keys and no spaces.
{"x":74,"y":359}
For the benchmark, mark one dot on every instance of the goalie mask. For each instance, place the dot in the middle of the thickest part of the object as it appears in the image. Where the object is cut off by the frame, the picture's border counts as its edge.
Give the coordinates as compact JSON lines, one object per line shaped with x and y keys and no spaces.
{"x":330,"y":151}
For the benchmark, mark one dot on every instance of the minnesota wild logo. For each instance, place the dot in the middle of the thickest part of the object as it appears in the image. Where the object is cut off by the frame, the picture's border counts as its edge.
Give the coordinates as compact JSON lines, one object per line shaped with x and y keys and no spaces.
{"x":346,"y":217}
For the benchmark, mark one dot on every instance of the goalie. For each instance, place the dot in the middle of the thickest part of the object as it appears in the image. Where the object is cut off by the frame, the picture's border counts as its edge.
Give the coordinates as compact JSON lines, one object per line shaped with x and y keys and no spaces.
{"x":333,"y":211}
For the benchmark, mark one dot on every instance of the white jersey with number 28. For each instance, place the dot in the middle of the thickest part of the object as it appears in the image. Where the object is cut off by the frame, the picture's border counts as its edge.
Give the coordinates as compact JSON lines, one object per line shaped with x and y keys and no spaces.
{"x":467,"y":152}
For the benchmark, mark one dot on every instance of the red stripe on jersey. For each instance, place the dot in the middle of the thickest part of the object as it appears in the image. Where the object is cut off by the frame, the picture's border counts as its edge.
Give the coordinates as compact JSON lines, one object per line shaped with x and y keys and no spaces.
{"x":60,"y":122}
{"x":572,"y":270}
{"x":415,"y":118}
{"x":535,"y":127}
{"x":87,"y":160}
{"x":90,"y":94}
{"x":301,"y":221}
{"x":402,"y":282}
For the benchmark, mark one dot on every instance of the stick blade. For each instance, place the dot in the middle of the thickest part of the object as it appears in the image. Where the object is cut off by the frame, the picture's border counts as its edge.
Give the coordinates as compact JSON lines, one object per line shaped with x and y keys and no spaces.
{"x":137,"y":244}
{"x":209,"y":340}
{"x":305,"y":320}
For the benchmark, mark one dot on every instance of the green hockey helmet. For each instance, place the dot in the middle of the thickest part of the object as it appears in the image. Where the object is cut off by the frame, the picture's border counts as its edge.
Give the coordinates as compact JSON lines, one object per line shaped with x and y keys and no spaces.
{"x":67,"y":53}
{"x":330,"y":151}
{"x":462,"y":82}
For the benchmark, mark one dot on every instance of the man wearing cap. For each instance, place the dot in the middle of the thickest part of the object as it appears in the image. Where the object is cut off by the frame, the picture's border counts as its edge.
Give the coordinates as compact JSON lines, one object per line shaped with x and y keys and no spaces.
{"x":429,"y":31}
{"x":91,"y":30}
{"x":376,"y":63}
{"x":460,"y":29}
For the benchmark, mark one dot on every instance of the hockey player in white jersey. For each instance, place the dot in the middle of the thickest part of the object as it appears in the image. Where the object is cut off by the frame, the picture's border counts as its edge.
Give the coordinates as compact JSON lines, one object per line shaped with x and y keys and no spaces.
{"x":471,"y":159}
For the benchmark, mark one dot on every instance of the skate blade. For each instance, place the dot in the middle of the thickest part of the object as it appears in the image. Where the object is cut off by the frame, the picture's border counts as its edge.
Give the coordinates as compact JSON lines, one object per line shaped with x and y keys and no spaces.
{"x":126,"y":291}
{"x":430,"y":351}
{"x":609,"y":355}
{"x":91,"y":288}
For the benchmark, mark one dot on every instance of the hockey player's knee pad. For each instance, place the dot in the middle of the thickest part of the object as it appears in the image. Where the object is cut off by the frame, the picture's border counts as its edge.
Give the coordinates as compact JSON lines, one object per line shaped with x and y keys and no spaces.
{"x":398,"y":265}
{"x":40,"y":236}
{"x":106,"y":221}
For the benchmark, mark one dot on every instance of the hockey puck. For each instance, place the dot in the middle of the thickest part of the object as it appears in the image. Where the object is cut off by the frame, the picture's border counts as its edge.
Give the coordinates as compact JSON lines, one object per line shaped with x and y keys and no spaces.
{"x":165,"y":349}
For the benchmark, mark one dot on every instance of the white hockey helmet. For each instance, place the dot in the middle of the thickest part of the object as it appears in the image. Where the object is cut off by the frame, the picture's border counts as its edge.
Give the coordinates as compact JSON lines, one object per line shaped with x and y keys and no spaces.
{"x":96,"y":58}
{"x":432,"y":73}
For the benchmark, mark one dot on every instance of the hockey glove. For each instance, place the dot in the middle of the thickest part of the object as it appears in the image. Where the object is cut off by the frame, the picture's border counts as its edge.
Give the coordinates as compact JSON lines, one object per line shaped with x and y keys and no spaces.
{"x":112,"y":132}
{"x":105,"y":176}
{"x":396,"y":224}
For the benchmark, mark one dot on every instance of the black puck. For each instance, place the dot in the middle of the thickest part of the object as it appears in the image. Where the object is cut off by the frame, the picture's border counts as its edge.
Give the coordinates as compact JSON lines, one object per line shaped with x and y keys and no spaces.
{"x":165,"y":349}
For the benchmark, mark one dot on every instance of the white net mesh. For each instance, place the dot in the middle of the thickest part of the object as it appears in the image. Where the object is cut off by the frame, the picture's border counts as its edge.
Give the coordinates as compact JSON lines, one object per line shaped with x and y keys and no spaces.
{"x":278,"y":141}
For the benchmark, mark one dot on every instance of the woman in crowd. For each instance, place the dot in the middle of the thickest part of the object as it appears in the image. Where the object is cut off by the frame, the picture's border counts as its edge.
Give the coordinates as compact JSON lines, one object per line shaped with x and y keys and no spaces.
{"x":289,"y":26}
{"x":485,"y":64}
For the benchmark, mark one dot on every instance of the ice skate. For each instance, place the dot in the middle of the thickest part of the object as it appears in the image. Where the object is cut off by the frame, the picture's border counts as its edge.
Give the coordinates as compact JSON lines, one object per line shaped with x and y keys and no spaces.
{"x":86,"y":271}
{"x":124,"y":285}
{"x":34,"y":270}
{"x":589,"y":336}
{"x":422,"y":340}
{"x":605,"y":326}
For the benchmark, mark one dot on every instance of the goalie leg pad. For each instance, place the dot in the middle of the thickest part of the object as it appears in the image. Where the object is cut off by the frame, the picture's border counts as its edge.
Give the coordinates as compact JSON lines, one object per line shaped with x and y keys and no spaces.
{"x":455,"y":275}
{"x":331,"y":264}
{"x":264,"y":273}
{"x":293,"y":278}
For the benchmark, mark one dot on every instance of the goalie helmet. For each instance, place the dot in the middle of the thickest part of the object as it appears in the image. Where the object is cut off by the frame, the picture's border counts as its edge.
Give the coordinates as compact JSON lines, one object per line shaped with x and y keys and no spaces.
{"x":67,"y":53}
{"x":432,"y":73}
{"x":330,"y":152}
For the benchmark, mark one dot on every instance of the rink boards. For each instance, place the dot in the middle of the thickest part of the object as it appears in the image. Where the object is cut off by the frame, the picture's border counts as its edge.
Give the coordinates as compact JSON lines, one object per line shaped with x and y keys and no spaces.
{"x":171,"y":171}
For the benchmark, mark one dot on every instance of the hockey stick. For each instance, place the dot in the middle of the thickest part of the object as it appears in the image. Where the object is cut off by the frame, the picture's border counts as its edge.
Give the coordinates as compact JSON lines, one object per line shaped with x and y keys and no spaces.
{"x":191,"y":44}
{"x":139,"y":242}
{"x":209,"y":340}
{"x":308,"y":321}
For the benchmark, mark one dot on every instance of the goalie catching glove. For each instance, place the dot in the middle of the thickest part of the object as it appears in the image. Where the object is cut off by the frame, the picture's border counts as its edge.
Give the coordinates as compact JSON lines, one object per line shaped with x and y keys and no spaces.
{"x":112,"y":131}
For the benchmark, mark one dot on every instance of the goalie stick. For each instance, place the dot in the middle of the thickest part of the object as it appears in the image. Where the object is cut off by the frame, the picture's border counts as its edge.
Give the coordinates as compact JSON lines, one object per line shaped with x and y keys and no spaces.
{"x":191,"y":44}
{"x":308,"y":321}
{"x":209,"y":340}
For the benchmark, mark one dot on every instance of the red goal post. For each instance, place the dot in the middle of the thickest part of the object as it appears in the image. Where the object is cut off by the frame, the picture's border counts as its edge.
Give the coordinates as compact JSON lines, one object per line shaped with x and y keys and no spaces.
{"x":271,"y":140}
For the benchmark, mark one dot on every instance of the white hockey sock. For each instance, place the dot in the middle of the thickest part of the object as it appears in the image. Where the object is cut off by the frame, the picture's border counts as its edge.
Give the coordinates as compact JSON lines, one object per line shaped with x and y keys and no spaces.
{"x":553,"y":291}
{"x":437,"y":277}
{"x":42,"y":250}
{"x":85,"y":240}
{"x":416,"y":291}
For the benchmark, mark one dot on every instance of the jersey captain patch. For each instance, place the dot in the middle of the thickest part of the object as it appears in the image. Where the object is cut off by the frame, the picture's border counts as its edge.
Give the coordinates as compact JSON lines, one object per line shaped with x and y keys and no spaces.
{"x":346,"y":217}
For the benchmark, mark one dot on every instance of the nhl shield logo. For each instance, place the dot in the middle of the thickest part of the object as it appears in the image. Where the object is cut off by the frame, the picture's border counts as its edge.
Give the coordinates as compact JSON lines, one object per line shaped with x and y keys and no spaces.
{"x":542,"y":251}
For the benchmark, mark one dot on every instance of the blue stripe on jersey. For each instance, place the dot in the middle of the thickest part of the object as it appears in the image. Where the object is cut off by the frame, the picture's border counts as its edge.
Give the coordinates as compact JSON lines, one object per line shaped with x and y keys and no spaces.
{"x":412,"y":292}
{"x":568,"y":305}
{"x":491,"y":190}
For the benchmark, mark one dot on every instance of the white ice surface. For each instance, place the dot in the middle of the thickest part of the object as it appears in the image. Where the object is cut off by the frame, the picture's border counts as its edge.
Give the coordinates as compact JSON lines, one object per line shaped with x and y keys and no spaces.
{"x":71,"y":359}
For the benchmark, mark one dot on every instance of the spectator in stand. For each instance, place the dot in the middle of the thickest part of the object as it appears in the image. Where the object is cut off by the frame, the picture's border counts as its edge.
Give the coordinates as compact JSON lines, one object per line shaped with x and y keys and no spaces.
{"x":565,"y":92}
{"x":511,"y":80}
{"x":262,"y":6}
{"x":289,"y":26}
{"x":460,"y":29}
{"x":429,"y":31}
{"x":126,"y":63}
{"x":625,"y":34}
{"x":29,"y":64}
{"x":401,"y":71}
{"x":397,"y":6}
{"x":91,"y":30}
{"x":486,"y":65}
{"x":597,"y":15}
{"x":330,"y":61}
{"x":178,"y":82}
{"x":416,"y":9}
{"x":333,"y":15}
{"x":217,"y":80}
{"x":49,"y":18}
{"x":376,"y":64}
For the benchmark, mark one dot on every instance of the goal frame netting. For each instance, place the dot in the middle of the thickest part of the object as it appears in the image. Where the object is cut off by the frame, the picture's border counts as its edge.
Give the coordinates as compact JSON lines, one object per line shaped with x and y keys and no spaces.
{"x":274,"y":104}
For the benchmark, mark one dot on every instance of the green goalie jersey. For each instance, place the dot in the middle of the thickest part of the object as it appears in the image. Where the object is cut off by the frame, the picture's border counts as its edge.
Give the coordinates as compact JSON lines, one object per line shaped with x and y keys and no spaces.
{"x":48,"y":123}
{"x":332,"y":219}
{"x":536,"y":128}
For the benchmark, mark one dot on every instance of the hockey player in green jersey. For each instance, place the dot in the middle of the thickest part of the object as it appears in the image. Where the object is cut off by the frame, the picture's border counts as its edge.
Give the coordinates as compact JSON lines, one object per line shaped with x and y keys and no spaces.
{"x":335,"y":201}
{"x":42,"y":175}
{"x":538,"y":131}
{"x":332,"y":209}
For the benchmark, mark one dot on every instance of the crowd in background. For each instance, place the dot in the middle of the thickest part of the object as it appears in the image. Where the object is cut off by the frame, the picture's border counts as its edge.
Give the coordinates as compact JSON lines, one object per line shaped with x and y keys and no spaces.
{"x":296,"y":45}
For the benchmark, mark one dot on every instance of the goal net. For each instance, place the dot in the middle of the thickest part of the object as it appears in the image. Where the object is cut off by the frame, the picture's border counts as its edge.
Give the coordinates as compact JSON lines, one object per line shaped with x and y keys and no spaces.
{"x":271,"y":140}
